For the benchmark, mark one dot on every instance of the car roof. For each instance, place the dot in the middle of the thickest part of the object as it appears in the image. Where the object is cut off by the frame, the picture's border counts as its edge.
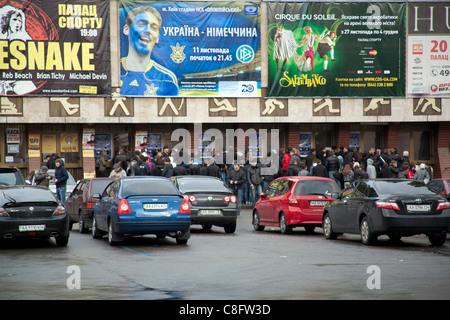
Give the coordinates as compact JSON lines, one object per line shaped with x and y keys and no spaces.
{"x":23,"y":187}
{"x":196,"y":177}
{"x":299,"y":178}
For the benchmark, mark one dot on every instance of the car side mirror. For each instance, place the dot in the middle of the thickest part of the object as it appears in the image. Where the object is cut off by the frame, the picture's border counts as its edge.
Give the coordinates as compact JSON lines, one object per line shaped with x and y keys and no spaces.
{"x":335,"y":195}
{"x":97,"y":196}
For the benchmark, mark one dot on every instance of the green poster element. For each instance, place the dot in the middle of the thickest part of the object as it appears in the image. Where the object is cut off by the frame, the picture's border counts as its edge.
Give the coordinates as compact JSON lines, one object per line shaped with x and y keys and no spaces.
{"x":336,"y":49}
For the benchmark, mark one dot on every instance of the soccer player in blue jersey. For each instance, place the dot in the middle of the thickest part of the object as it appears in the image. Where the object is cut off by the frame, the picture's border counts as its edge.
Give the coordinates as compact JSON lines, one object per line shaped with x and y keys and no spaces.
{"x":140,"y":75}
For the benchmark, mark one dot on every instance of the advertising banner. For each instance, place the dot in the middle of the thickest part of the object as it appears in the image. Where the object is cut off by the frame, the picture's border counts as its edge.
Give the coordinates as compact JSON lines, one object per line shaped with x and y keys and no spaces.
{"x":336,"y":49}
{"x":185,"y":49}
{"x":54,"y":48}
{"x":428,"y":49}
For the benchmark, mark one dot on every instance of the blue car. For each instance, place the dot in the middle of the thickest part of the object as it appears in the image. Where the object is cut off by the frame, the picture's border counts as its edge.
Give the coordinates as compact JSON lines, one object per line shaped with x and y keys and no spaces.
{"x":141,"y":205}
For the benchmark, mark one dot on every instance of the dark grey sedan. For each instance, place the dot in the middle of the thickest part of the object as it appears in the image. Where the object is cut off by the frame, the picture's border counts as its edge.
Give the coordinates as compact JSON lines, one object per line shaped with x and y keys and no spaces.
{"x":211,"y":202}
{"x":32,"y":212}
{"x":393,"y":207}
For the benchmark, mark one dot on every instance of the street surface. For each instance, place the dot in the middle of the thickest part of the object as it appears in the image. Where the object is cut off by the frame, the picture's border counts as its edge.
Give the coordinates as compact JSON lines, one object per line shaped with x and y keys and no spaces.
{"x":218,"y":266}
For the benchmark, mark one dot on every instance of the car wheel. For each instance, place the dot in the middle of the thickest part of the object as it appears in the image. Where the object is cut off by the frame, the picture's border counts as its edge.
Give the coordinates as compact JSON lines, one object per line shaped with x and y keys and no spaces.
{"x":82,"y":224}
{"x":62,"y":241}
{"x":328,"y":229}
{"x":96,"y":234}
{"x":284,"y":228}
{"x":206,"y":227}
{"x":182,"y":241}
{"x":230,"y":228}
{"x":114,"y":238}
{"x":256,"y":222}
{"x":367,"y":236}
{"x":437,"y":239}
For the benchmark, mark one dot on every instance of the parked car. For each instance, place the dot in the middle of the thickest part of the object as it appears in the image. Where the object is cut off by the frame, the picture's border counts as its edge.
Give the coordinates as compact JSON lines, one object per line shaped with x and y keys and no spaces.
{"x":11,"y":176}
{"x":80,"y":203}
{"x":141,"y":205}
{"x":71,"y":183}
{"x":211,"y":202}
{"x":440,"y":186}
{"x":290,"y":202}
{"x":32,"y":212}
{"x":394,"y":207}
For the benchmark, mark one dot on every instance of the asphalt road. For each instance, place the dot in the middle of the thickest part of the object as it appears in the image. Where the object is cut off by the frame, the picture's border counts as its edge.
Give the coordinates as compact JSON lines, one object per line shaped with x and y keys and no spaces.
{"x":247,"y":265}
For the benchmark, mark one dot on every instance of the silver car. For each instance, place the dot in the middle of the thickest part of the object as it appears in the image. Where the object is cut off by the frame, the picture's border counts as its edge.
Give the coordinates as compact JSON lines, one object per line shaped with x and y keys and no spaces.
{"x":71,"y":183}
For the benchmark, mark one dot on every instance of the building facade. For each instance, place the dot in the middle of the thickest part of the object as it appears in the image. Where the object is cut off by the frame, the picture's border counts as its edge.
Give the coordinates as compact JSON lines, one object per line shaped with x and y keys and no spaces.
{"x":32,"y":127}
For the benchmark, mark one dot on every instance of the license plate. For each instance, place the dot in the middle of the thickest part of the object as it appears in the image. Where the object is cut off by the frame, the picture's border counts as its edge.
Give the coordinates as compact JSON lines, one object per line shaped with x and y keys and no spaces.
{"x":418,"y":207}
{"x":318,"y":203}
{"x":37,"y":227}
{"x":210,"y":212}
{"x":155,"y":206}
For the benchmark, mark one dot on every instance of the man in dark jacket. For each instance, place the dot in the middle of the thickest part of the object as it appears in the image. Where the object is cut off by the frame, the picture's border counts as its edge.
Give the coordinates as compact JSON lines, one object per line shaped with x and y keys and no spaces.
{"x":319,"y":170}
{"x":60,"y":180}
{"x":254,"y":180}
{"x":168,"y":168}
{"x":213,"y":169}
{"x":236,"y":180}
{"x":332,"y":164}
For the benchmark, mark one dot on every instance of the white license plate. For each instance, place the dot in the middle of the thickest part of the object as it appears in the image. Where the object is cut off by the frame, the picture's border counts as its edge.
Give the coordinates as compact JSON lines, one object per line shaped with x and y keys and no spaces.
{"x":318,"y":203}
{"x":155,"y":206}
{"x":37,"y":227}
{"x":210,"y":212}
{"x":418,"y":207}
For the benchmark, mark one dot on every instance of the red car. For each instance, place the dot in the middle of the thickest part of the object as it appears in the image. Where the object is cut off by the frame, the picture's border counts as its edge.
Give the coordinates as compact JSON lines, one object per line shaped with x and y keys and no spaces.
{"x":440,"y":186}
{"x":290,"y":202}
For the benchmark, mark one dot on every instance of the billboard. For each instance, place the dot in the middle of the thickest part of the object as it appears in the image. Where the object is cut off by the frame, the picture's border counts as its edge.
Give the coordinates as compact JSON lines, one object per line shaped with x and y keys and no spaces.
{"x":336,"y":49}
{"x":428,"y":49}
{"x":190,"y":49}
{"x":54,"y":48}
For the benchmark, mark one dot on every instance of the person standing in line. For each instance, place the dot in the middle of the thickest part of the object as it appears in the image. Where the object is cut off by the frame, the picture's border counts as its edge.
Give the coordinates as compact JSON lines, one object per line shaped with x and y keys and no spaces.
{"x":422,"y":174}
{"x":236,"y":180}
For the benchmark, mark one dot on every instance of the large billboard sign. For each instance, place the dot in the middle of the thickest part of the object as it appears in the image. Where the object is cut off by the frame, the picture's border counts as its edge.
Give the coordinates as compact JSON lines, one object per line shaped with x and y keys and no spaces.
{"x":54,"y":48}
{"x":319,"y":49}
{"x":428,"y":49}
{"x":190,"y":49}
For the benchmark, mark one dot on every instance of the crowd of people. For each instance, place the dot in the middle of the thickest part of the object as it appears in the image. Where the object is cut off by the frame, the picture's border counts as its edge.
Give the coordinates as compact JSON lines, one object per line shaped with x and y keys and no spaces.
{"x":246,"y":179}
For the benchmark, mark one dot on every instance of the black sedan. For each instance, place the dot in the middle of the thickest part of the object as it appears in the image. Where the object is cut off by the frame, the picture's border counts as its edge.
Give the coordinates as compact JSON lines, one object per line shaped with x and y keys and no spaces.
{"x":211,"y":202}
{"x":32,"y":212}
{"x":394,"y":207}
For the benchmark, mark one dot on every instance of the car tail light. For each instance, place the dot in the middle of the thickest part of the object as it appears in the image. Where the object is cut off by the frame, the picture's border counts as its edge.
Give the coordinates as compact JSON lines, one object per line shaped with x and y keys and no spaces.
{"x":443,"y":205}
{"x":3,"y":212}
{"x":231,"y":199}
{"x":124,"y":207}
{"x":387,"y":205}
{"x":59,"y":210}
{"x":90,"y":205}
{"x":293,"y":200}
{"x":184,"y":208}
{"x":190,"y":198}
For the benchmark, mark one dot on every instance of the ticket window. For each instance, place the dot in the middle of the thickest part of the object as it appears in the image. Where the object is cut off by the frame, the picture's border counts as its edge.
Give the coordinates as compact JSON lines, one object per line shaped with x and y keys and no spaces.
{"x":14,"y":147}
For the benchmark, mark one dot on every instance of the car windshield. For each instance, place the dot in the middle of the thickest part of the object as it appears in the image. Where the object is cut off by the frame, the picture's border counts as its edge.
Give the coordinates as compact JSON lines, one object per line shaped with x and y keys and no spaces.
{"x":137,"y":187}
{"x":402,"y":187}
{"x":99,"y":185}
{"x":315,"y":187}
{"x":210,"y":185}
{"x":26,"y":194}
